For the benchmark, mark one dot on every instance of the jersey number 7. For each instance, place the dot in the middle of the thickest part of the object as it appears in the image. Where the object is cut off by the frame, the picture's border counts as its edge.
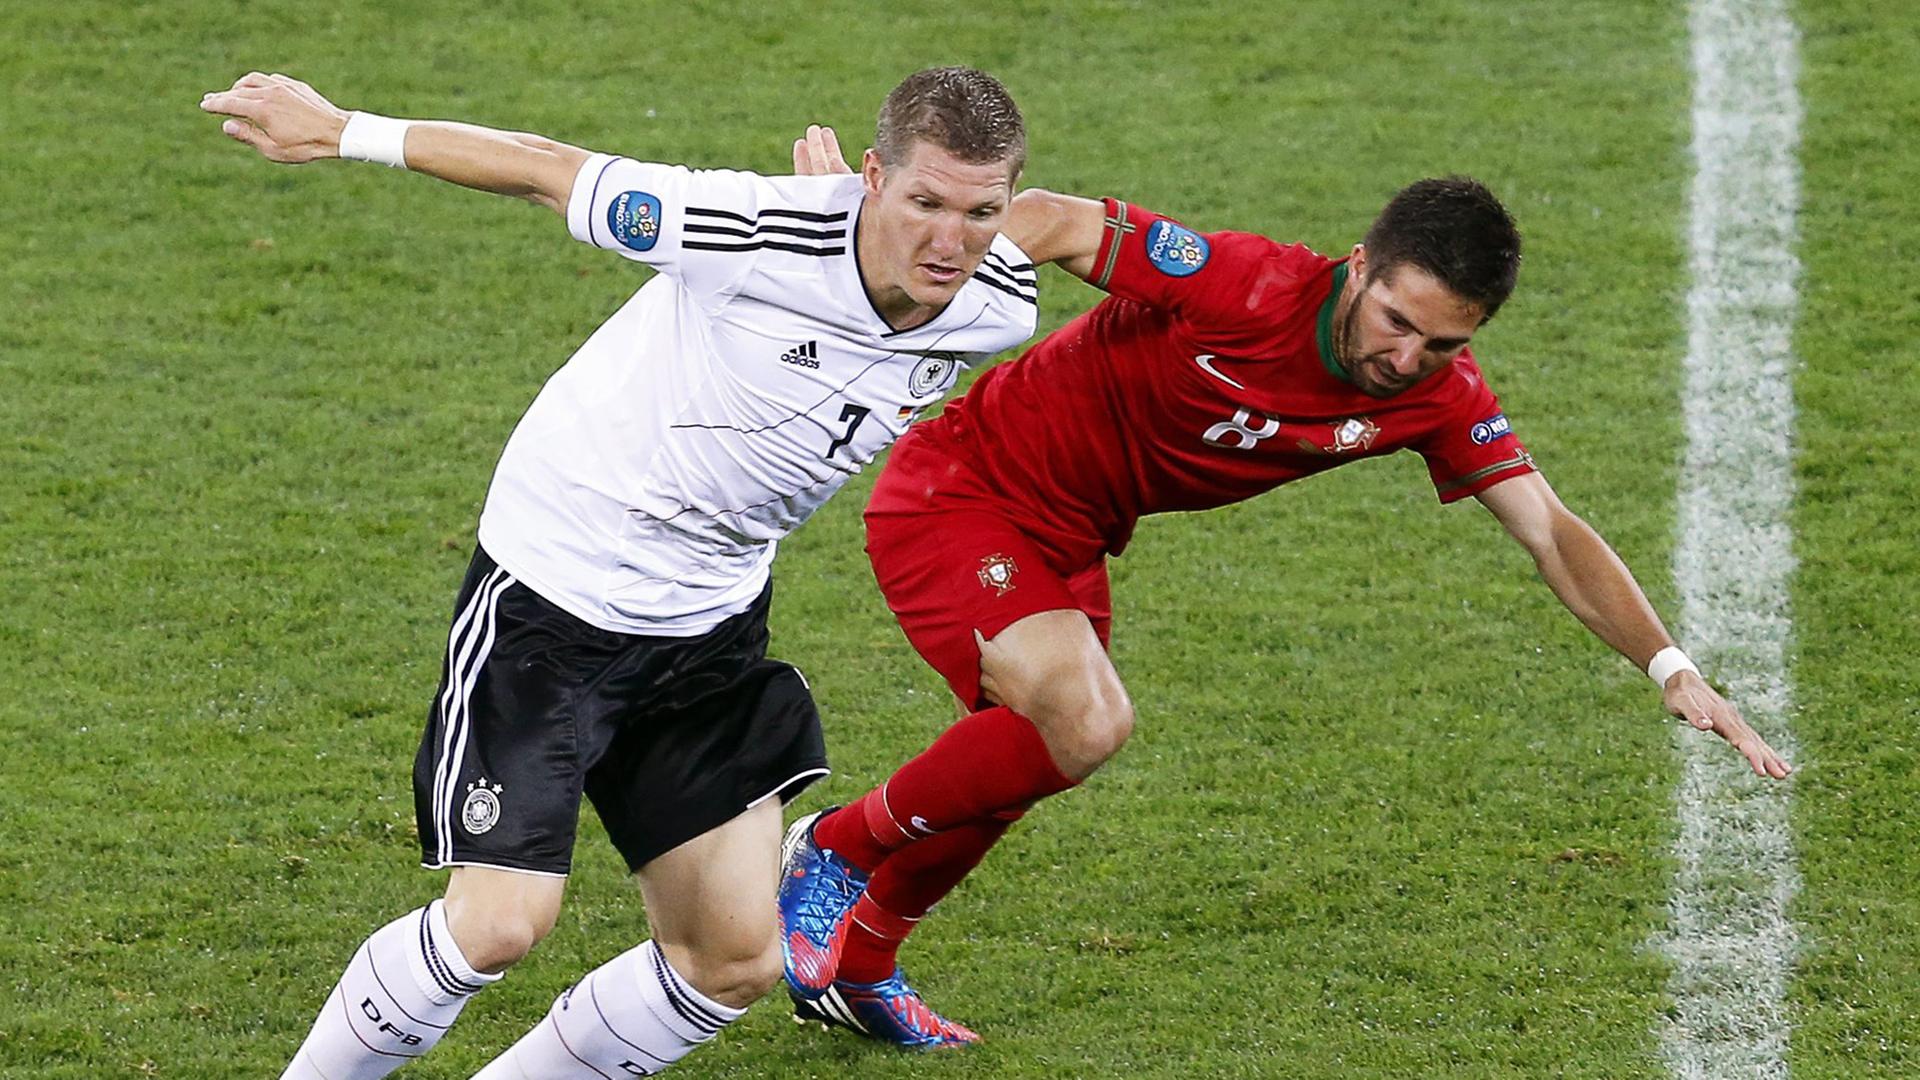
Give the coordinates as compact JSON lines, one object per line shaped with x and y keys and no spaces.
{"x":852,"y":414}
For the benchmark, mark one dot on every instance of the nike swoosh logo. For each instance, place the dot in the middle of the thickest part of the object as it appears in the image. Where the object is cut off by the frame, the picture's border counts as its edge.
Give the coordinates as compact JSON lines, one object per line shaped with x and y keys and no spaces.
{"x":921,"y":824}
{"x":1205,"y":360}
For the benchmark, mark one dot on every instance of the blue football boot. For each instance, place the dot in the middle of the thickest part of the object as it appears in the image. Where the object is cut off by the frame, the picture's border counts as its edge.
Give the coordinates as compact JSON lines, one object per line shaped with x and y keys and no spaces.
{"x":817,"y":890}
{"x":888,"y":1011}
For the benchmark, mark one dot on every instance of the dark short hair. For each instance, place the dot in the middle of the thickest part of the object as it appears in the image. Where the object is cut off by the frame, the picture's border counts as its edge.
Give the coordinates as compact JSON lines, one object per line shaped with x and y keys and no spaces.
{"x":1454,"y":229}
{"x":961,"y":110}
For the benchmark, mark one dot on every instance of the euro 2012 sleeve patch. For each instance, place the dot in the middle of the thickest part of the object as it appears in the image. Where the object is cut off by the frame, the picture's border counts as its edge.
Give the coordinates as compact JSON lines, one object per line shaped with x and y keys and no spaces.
{"x":634,"y":220}
{"x":1174,"y":249}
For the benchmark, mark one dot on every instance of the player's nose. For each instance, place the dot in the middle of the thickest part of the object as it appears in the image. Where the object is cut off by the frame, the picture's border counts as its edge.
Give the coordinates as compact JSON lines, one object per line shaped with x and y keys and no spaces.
{"x":1406,"y":359}
{"x":947,"y":237}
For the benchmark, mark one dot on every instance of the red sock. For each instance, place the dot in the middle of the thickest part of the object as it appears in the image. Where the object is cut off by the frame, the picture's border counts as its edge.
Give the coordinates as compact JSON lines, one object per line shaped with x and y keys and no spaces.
{"x":906,"y":887}
{"x":990,"y":761}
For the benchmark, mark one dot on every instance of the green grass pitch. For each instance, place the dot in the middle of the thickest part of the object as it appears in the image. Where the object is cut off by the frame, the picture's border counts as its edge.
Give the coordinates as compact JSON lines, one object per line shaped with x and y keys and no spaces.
{"x":1389,"y":811}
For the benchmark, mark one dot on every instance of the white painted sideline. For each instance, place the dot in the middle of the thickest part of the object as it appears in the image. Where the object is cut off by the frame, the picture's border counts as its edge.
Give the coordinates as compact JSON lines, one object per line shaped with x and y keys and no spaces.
{"x":1731,"y":941}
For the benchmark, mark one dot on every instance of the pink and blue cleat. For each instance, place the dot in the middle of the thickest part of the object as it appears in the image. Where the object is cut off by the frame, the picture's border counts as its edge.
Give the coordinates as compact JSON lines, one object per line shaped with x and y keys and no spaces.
{"x":888,"y":1011}
{"x":817,"y":890}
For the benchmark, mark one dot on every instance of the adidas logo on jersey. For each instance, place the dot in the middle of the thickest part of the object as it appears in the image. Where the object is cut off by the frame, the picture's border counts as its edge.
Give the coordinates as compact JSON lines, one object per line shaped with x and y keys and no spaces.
{"x":806,"y":356}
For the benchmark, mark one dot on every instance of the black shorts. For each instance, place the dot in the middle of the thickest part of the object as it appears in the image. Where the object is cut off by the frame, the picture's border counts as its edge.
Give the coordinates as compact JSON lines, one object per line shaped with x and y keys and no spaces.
{"x":668,"y":736}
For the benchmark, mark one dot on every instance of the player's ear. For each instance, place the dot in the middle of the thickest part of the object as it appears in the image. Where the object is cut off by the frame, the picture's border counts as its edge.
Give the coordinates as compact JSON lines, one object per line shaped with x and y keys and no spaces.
{"x":1357,"y":261}
{"x":872,"y":170}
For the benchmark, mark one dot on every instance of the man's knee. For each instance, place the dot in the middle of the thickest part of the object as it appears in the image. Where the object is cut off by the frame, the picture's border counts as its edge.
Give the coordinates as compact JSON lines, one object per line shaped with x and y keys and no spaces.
{"x":1116,"y":727}
{"x":735,"y":972}
{"x":497,"y":920}
{"x":1052,"y":669}
{"x":1083,"y":730}
{"x":1099,"y":734}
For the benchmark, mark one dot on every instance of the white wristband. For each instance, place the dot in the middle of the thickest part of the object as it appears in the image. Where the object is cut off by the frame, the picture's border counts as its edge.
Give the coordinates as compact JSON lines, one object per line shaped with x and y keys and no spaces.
{"x":1668,"y":662}
{"x":376,"y":138}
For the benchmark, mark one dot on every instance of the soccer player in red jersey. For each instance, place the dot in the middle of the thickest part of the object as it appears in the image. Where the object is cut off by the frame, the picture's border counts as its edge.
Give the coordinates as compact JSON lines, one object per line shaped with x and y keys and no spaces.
{"x":1222,"y":365}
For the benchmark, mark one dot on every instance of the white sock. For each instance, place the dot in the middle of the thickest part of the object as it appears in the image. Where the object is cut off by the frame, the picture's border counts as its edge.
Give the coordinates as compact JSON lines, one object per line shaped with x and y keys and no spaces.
{"x":400,"y":993}
{"x":632,"y":1016}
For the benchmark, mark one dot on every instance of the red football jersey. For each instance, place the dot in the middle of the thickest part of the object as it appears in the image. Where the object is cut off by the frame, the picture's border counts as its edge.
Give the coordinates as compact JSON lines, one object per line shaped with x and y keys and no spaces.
{"x":1204,"y":379}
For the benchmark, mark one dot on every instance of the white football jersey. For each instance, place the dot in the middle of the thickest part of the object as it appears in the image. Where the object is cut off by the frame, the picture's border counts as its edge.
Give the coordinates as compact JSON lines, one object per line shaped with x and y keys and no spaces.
{"x":646,"y":488}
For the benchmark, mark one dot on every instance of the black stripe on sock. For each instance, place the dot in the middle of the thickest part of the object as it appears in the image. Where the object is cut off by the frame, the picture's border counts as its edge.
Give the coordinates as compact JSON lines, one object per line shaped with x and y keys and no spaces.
{"x":689,"y":1010}
{"x":437,"y":965}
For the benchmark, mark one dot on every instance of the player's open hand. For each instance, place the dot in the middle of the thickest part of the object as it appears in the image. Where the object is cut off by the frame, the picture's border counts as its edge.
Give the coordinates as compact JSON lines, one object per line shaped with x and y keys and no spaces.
{"x":1689,"y":697}
{"x":283,"y":118}
{"x":818,"y":154}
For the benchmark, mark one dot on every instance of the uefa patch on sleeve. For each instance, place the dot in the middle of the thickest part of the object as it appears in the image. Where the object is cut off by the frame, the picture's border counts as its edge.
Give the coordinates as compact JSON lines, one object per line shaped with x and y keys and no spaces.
{"x":1493,"y":427}
{"x":634,"y":220}
{"x":1174,"y":249}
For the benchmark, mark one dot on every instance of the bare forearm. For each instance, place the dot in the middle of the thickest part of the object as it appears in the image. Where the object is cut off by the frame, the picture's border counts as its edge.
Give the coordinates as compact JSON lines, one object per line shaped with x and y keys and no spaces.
{"x":512,"y":163}
{"x":1600,"y":591}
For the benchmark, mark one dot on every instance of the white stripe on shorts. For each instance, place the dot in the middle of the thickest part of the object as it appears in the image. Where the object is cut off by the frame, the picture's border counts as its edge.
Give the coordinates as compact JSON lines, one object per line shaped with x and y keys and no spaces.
{"x":467,"y":646}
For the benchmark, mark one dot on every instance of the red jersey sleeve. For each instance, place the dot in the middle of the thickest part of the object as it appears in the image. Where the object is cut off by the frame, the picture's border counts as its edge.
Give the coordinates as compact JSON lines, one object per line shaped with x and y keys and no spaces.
{"x":1232,"y":291}
{"x":1472,"y":447}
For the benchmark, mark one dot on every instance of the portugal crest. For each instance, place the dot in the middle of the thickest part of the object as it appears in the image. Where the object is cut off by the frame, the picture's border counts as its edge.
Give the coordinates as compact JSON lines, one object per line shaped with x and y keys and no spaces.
{"x":1355,"y":433}
{"x":996,"y":573}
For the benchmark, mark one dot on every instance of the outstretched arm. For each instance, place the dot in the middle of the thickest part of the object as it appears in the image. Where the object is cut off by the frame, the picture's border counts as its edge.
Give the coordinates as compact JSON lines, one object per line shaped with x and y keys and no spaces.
{"x":1597,"y":587}
{"x":288,"y":121}
{"x":1048,"y":226}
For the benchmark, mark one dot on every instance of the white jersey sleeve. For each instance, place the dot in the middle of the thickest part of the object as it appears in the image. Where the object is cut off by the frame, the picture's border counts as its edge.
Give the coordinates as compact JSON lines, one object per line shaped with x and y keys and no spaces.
{"x":693,"y":224}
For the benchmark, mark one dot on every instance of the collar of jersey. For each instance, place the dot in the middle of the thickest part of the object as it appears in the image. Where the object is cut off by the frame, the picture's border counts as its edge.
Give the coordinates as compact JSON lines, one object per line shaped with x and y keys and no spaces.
{"x":1325,"y":333}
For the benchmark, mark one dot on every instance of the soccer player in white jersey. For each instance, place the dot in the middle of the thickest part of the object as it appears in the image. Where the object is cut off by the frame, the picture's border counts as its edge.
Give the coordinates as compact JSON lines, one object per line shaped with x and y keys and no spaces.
{"x":610,"y":638}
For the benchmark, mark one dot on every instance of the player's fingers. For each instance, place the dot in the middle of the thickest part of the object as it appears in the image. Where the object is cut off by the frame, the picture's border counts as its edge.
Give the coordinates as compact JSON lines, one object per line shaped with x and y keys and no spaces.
{"x":1765,"y":762}
{"x":1765,"y":759}
{"x":1729,"y":725}
{"x":219,"y":103}
{"x":800,"y":157}
{"x":816,"y":154}
{"x":244,"y":132}
{"x":830,"y":147}
{"x":234,"y":103}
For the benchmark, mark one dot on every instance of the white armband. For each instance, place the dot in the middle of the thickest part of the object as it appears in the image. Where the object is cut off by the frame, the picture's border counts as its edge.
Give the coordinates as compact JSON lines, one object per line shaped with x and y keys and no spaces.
{"x":1668,"y":662}
{"x":376,"y":138}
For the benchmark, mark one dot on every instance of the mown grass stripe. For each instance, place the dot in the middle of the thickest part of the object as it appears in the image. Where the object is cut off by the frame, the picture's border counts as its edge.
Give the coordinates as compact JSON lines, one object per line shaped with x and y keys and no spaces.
{"x":1731,"y":941}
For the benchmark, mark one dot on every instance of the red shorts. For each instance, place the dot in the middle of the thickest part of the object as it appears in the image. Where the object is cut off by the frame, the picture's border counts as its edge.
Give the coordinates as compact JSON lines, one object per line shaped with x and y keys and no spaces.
{"x":951,"y":561}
